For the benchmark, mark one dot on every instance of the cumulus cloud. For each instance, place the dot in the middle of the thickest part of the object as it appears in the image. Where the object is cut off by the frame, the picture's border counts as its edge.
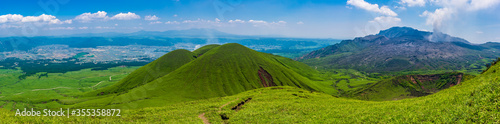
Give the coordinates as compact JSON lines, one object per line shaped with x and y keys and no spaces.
{"x":386,"y":21}
{"x":156,"y":22}
{"x":202,"y":21}
{"x":61,"y":28}
{"x":236,"y":21}
{"x":87,"y":17}
{"x":300,"y":23}
{"x":103,"y":16}
{"x":11,"y":18}
{"x":452,"y":8}
{"x":482,"y":4}
{"x":151,"y":18}
{"x":126,"y":16}
{"x":41,"y":19}
{"x":172,"y":22}
{"x":259,"y":23}
{"x":372,"y":7}
{"x":437,"y":17}
{"x":101,"y":27}
{"x":279,"y":22}
{"x":412,"y":3}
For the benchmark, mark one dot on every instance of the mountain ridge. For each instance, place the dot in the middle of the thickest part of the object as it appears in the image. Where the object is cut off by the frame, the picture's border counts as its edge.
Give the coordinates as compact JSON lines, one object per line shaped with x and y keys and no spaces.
{"x":401,"y":49}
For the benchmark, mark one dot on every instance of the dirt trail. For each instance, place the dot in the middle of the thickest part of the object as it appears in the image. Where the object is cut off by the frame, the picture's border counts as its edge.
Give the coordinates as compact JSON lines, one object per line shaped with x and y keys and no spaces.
{"x":51,"y":88}
{"x":96,"y":84}
{"x":4,"y":104}
{"x":205,"y":120}
{"x":19,"y":93}
{"x":459,"y":78}
{"x":202,"y":117}
{"x":101,"y":82}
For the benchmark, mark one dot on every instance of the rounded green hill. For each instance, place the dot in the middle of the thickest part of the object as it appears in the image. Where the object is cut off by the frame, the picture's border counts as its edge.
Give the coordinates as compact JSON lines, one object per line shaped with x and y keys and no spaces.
{"x":221,"y":71}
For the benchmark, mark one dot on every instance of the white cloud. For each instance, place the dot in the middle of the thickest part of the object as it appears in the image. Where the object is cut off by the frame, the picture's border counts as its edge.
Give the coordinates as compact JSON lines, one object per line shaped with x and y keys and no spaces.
{"x":156,"y":22}
{"x":412,"y":3}
{"x":438,"y":16}
{"x":172,"y":22}
{"x":386,"y":21}
{"x":236,"y":21}
{"x":175,"y":15}
{"x":83,"y":28}
{"x":100,"y":27}
{"x":126,"y":16}
{"x":11,"y":18}
{"x":279,"y":22}
{"x":192,"y":21}
{"x":482,"y":4}
{"x":372,"y":7}
{"x":68,"y":21}
{"x":300,"y":23}
{"x":61,"y":28}
{"x":259,"y":23}
{"x":453,"y":8}
{"x":41,"y":19}
{"x":202,"y":21}
{"x":87,"y":17}
{"x":151,"y":18}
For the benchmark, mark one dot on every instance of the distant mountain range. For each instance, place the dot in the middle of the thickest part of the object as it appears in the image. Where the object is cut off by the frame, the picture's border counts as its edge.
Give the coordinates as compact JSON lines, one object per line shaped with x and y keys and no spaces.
{"x":396,"y":32}
{"x":404,"y":49}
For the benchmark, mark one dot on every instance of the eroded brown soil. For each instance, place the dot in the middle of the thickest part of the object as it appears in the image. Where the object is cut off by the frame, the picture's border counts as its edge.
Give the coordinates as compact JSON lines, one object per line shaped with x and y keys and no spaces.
{"x":266,"y":79}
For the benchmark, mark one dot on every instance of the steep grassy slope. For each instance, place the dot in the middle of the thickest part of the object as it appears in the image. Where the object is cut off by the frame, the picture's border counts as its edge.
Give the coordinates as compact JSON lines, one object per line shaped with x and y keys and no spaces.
{"x":473,"y":101}
{"x":156,"y":69}
{"x":222,"y":71}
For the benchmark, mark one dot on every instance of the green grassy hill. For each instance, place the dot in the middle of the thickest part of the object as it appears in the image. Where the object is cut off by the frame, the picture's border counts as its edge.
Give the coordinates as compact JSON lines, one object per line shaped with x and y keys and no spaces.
{"x":152,"y":71}
{"x":202,"y":50}
{"x":222,"y":71}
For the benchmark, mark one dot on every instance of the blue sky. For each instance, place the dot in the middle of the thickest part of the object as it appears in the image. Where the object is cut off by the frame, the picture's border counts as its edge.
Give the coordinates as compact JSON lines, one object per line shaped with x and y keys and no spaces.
{"x":475,"y":20}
